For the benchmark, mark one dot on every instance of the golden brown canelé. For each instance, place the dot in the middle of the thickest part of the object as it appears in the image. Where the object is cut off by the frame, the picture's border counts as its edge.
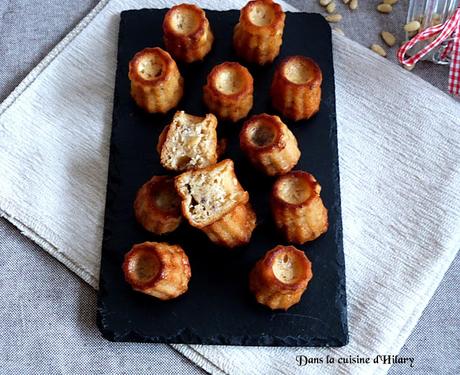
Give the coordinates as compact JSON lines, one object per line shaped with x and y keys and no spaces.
{"x":228,"y":92}
{"x":157,"y":205}
{"x":214,"y":201}
{"x":296,"y":88}
{"x":156,"y":83}
{"x":258,"y":36}
{"x":157,"y":269}
{"x":279,"y":279}
{"x":269,"y":144}
{"x":188,"y":142}
{"x":297,"y":207}
{"x":186,"y":33}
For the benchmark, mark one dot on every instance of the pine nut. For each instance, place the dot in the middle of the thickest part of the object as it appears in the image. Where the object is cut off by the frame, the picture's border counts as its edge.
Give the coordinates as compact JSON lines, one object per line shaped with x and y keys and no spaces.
{"x":324,"y":2}
{"x":339,"y":31}
{"x":391,"y":2}
{"x":412,"y":26}
{"x":409,"y":67}
{"x":346,"y":1}
{"x":330,"y":8}
{"x":384,"y":8}
{"x":379,"y":50}
{"x":334,"y":18}
{"x":388,"y":38}
{"x":353,"y":4}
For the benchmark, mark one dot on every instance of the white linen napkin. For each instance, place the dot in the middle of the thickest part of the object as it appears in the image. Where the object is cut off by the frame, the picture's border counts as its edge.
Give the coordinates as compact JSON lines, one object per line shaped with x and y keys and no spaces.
{"x":399,"y":148}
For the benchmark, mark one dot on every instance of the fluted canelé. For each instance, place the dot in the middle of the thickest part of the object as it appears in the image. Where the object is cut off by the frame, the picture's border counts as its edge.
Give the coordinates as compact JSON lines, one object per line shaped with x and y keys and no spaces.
{"x":258,"y":36}
{"x":269,"y":144}
{"x":156,"y":83}
{"x":157,"y":269}
{"x":280,"y":278}
{"x":298,"y":210}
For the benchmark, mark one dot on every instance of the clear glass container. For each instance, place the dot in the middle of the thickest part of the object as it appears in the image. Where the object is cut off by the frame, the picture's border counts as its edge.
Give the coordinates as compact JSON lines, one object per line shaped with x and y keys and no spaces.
{"x":430,"y":13}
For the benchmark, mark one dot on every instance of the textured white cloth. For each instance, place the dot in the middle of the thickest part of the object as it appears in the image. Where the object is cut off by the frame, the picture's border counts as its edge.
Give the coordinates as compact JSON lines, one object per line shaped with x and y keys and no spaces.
{"x":399,"y":147}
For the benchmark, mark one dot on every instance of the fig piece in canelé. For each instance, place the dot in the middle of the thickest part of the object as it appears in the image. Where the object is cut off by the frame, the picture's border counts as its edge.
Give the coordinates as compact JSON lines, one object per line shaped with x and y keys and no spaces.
{"x":296,"y":88}
{"x":258,"y":36}
{"x":269,"y":144}
{"x":279,"y":279}
{"x":189,"y":142}
{"x":157,"y":269}
{"x":156,"y":83}
{"x":297,"y":207}
{"x":186,"y":33}
{"x":214,"y":201}
{"x":228,"y":92}
{"x":157,"y":205}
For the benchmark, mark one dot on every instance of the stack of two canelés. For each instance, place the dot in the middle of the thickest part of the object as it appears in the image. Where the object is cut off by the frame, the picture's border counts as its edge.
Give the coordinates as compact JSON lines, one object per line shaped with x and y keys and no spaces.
{"x":206,"y":192}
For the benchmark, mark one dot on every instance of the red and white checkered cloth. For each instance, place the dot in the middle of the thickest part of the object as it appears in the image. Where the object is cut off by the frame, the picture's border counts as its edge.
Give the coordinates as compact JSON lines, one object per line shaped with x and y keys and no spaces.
{"x":448,"y":31}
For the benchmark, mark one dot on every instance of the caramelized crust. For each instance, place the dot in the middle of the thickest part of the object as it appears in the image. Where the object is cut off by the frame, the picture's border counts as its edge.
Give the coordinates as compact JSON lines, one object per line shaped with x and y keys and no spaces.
{"x":233,"y":229}
{"x":156,"y":83}
{"x":189,"y":142}
{"x":297,"y":207}
{"x":157,"y":205}
{"x":296,"y":88}
{"x":228,"y":92}
{"x":269,"y":144}
{"x":157,"y":269}
{"x":280,"y":278}
{"x":186,"y":33}
{"x":258,"y":36}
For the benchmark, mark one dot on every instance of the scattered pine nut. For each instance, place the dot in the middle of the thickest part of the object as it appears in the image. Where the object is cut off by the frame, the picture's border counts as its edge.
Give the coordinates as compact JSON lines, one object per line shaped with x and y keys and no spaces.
{"x":409,"y":67}
{"x":334,"y":18}
{"x":391,"y":2}
{"x":379,"y":50}
{"x":384,"y":8}
{"x":324,"y":3}
{"x":339,"y":31}
{"x":353,"y":4}
{"x":346,"y":1}
{"x":388,"y":38}
{"x":412,"y":26}
{"x":331,"y":8}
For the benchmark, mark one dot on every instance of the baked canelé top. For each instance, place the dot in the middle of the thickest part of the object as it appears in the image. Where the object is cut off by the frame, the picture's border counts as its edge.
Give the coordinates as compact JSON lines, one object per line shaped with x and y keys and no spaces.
{"x":160,"y":195}
{"x":210,"y":193}
{"x":230,"y":80}
{"x":300,"y":71}
{"x":262,"y":16}
{"x":262,"y":133}
{"x":151,"y":66}
{"x":185,"y":21}
{"x":296,"y":188}
{"x":142,"y":266}
{"x":188,"y":142}
{"x":287,"y":268}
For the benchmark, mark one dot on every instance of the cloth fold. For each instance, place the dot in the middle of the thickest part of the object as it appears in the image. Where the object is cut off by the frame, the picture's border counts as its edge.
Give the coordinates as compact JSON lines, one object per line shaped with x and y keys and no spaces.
{"x":400,"y":177}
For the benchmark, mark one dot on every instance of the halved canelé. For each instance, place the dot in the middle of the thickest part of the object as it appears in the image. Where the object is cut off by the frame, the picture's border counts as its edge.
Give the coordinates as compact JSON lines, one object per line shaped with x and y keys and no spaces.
{"x":229,"y":90}
{"x":156,"y":83}
{"x":157,"y":205}
{"x":279,"y":279}
{"x":189,"y":142}
{"x":158,"y":269}
{"x":269,"y":144}
{"x":214,"y":201}
{"x":296,"y":88}
{"x":258,"y":36}
{"x":186,"y":33}
{"x":297,"y":207}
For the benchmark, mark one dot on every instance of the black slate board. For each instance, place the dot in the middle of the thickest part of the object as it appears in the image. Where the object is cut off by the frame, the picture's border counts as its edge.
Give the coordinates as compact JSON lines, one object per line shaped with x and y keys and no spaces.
{"x":218,"y":308}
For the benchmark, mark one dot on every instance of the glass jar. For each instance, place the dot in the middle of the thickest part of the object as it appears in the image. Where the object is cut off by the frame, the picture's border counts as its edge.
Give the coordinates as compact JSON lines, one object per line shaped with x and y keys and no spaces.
{"x":430,"y":13}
